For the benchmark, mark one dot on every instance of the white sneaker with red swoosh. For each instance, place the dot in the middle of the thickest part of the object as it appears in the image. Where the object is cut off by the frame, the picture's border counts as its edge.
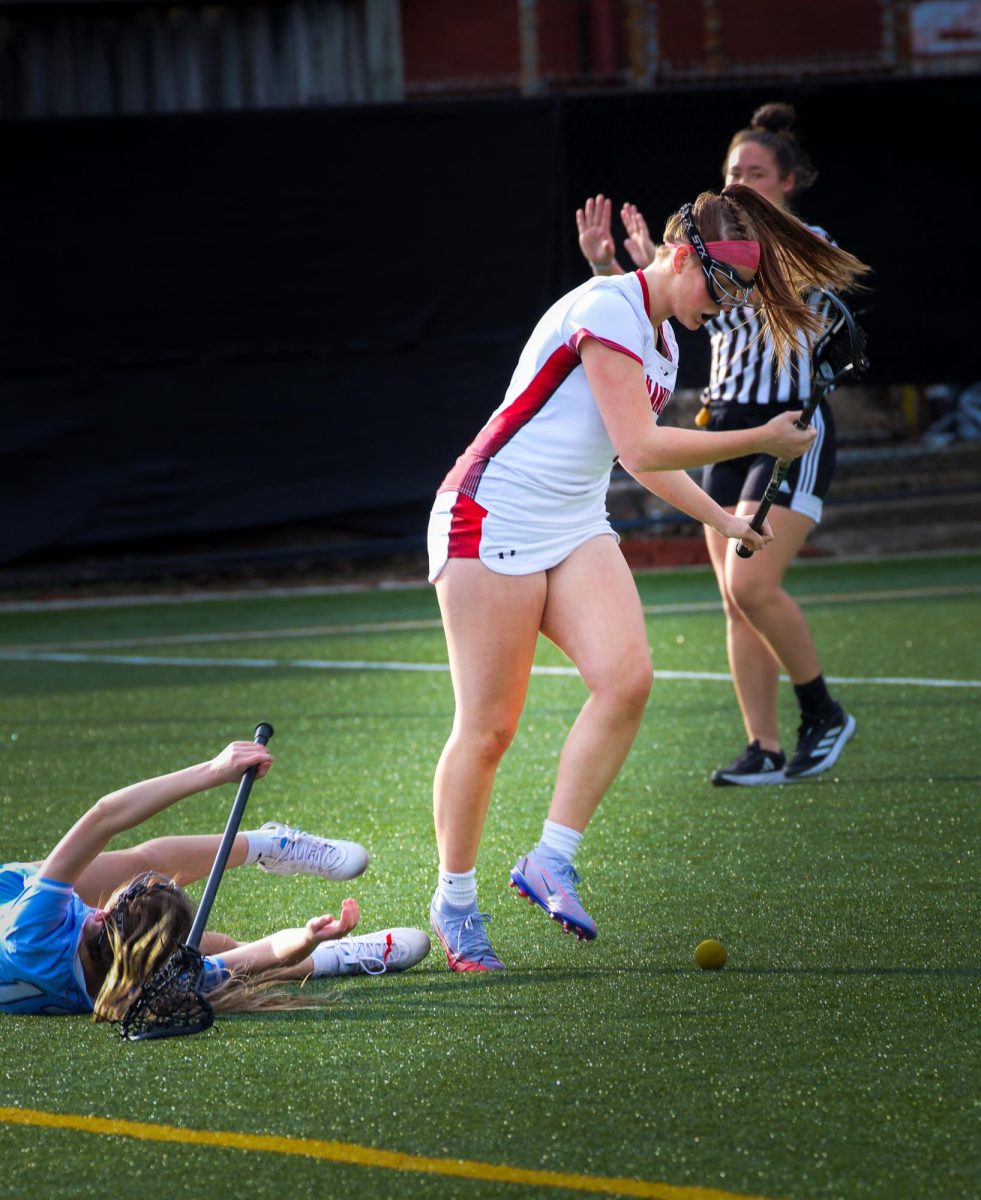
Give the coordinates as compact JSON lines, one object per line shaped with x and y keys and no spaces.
{"x":371,"y":953}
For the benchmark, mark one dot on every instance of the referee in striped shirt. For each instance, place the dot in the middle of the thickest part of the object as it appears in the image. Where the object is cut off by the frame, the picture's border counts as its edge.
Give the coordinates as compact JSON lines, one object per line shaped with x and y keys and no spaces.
{"x":766,"y":631}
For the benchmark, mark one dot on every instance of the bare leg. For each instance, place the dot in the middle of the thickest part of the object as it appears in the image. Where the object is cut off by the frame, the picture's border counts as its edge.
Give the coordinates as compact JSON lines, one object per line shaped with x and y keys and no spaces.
{"x":593,"y":614}
{"x":755,"y":671}
{"x":184,"y":859}
{"x":216,"y":943}
{"x":491,"y":624}
{"x":764,"y":626}
{"x":300,"y":970}
{"x":760,"y":595}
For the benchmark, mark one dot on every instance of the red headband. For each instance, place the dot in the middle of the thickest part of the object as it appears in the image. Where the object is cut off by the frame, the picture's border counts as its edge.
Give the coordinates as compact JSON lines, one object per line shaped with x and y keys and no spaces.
{"x":736,"y":254}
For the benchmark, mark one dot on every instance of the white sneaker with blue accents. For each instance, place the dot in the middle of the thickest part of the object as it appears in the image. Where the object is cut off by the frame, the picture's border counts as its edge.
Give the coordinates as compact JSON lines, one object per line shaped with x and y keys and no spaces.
{"x":299,"y":853}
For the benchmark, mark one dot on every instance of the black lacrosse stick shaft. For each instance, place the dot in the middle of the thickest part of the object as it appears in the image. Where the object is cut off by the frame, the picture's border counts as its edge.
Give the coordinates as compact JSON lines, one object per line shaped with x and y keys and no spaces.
{"x":839,"y":353}
{"x":263,"y":732}
{"x":780,"y":469}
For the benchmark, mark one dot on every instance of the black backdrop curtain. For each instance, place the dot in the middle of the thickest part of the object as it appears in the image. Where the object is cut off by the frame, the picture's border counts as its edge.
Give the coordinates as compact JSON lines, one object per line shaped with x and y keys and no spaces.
{"x":216,"y":323}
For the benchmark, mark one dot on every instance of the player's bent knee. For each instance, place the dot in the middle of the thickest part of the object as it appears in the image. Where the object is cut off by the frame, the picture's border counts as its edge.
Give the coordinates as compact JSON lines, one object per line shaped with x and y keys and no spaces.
{"x":150,"y":856}
{"x":730,"y":607}
{"x":636,"y":686}
{"x":750,"y":597}
{"x":491,"y":741}
{"x":627,"y":689}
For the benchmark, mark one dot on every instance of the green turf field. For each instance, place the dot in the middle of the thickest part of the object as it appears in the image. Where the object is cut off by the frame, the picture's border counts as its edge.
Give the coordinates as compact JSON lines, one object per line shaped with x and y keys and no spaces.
{"x":831,"y":1058}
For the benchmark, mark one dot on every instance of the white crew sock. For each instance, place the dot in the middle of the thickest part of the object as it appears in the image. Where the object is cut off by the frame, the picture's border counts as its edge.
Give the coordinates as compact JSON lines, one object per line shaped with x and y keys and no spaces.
{"x":558,"y":842}
{"x":261,"y":841}
{"x":457,"y":890}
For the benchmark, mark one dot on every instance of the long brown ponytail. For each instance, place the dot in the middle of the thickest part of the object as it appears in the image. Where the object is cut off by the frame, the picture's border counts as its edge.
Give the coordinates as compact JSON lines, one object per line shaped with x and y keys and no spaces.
{"x":793,"y":260}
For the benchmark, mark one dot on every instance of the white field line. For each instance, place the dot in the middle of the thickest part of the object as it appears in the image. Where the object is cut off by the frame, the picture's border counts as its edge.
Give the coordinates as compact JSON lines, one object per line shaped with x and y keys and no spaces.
{"x":428,"y":623}
{"x":238,"y":635}
{"x":152,"y":599}
{"x":328,"y":664}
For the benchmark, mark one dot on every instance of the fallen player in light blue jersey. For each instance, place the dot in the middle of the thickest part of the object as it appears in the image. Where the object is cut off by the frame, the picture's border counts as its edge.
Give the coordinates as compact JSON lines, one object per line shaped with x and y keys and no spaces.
{"x":81,"y":930}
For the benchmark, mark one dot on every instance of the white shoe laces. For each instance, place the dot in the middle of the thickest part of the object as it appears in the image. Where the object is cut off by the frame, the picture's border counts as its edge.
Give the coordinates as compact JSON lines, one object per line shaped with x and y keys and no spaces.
{"x":359,"y":953}
{"x":468,"y":930}
{"x":306,"y":849}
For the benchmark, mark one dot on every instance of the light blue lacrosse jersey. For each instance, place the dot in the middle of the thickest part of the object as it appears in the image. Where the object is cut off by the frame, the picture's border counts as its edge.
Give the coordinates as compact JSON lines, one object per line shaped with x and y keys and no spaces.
{"x":40,"y":928}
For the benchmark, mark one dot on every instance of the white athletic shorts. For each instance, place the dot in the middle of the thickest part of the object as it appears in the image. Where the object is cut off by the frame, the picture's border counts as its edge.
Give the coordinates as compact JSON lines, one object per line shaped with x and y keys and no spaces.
{"x":460,"y":528}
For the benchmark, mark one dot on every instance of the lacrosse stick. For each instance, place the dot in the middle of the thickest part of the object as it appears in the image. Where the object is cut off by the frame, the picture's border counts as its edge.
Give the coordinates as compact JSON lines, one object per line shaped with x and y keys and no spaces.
{"x":172,"y":1002}
{"x":838,"y":354}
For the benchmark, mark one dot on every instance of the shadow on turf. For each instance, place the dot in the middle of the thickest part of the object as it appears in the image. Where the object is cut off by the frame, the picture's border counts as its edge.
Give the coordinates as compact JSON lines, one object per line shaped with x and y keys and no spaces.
{"x":938,"y":972}
{"x":450,"y":991}
{"x":863,"y":782}
{"x":434,"y":980}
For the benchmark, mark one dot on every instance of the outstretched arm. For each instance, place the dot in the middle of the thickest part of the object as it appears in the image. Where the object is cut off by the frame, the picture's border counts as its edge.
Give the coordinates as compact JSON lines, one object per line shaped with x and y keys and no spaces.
{"x":136,"y":803}
{"x":290,"y":947}
{"x":684,"y":494}
{"x":595,"y":238}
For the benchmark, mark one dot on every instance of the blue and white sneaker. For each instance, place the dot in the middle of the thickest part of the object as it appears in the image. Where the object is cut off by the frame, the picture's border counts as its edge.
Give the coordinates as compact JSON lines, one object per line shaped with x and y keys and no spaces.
{"x":299,"y":853}
{"x":819,"y":743}
{"x":552,"y":886}
{"x":464,"y":938}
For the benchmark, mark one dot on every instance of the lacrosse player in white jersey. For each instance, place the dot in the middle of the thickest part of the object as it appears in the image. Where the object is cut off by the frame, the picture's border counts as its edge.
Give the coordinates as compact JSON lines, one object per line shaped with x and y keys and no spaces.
{"x":520,"y":541}
{"x":766,"y":631}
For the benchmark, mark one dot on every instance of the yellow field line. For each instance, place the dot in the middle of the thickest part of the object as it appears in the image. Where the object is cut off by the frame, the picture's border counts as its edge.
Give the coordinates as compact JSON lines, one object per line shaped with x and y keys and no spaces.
{"x":361,"y":1156}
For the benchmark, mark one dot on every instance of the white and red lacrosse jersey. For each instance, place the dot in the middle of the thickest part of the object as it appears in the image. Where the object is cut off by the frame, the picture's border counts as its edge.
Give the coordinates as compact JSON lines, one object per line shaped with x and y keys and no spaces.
{"x":544,"y":458}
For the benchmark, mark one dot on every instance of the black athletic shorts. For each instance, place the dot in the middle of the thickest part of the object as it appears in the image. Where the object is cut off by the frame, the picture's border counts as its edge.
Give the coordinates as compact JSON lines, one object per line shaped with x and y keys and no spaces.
{"x":746,"y":478}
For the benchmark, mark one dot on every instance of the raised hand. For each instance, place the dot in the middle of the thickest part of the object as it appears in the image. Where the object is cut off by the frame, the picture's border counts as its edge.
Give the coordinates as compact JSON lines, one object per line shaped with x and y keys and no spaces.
{"x":236,"y":758}
{"x":328,"y":927}
{"x":639,"y":244}
{"x":595,"y":238}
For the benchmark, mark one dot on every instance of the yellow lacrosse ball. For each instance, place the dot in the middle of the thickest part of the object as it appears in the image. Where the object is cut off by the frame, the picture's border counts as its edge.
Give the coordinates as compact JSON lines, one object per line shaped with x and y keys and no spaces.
{"x":711,"y":955}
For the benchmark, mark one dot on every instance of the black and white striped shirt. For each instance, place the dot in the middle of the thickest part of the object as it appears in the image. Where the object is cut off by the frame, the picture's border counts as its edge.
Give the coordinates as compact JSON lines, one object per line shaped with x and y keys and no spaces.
{"x":744,"y":370}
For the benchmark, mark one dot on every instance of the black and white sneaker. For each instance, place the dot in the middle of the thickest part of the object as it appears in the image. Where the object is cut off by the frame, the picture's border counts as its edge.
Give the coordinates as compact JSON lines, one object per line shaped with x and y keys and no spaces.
{"x":820,"y":741}
{"x":753,"y":766}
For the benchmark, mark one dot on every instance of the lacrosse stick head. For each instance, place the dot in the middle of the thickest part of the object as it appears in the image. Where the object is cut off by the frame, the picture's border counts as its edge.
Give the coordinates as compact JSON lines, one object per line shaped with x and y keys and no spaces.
{"x":841,"y":350}
{"x":171,"y":1003}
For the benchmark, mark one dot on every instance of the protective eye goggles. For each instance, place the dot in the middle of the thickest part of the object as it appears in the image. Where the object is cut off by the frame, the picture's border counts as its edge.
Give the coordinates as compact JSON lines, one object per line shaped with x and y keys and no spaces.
{"x":725,"y":287}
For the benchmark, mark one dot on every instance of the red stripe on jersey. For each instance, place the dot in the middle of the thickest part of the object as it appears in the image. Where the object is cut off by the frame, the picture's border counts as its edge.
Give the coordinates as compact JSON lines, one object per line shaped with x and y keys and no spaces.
{"x":643,"y":288}
{"x":465,"y":475}
{"x":588,"y":333}
{"x":660,"y":341}
{"x":466,"y":519}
